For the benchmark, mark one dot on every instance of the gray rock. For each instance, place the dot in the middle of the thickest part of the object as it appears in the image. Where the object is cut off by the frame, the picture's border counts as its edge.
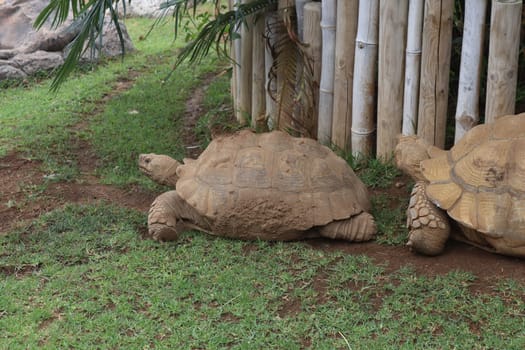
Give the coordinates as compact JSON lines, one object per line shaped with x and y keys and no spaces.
{"x":10,"y":72}
{"x":111,"y":46}
{"x":142,"y":8}
{"x":34,"y":62}
{"x":29,"y":51}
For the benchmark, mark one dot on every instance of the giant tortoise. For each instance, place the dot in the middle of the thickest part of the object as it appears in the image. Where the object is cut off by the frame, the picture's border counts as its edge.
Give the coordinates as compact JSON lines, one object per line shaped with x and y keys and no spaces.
{"x":479,"y":183}
{"x":269,"y":186}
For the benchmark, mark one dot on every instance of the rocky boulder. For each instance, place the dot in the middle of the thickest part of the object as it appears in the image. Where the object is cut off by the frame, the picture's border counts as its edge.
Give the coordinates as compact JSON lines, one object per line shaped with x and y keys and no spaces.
{"x":142,"y":8}
{"x":25,"y":51}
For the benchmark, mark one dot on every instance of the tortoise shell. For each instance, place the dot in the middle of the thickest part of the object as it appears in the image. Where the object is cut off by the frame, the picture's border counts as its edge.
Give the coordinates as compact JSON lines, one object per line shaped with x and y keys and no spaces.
{"x":272,"y":182}
{"x":481,"y":181}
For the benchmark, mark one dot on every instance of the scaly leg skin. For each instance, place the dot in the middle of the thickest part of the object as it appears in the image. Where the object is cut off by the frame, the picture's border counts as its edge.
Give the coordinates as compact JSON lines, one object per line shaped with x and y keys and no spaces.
{"x":428,"y":225}
{"x":162,"y":217}
{"x":358,"y":228}
{"x":167,"y":211}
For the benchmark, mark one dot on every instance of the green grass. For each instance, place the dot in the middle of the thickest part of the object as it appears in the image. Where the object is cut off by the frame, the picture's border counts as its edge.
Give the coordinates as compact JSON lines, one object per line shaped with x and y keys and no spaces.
{"x":81,"y":277}
{"x":218,"y":104}
{"x":39,"y":123}
{"x":390,"y":216}
{"x":145,"y":119}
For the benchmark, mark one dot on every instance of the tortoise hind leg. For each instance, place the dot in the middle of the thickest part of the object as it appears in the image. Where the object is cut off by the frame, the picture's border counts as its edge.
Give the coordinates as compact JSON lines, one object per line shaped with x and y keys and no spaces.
{"x":358,"y":228}
{"x":166,"y":212}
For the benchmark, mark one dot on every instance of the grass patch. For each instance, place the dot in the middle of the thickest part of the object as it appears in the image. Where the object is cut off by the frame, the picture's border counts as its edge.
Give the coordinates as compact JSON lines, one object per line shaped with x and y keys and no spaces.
{"x":146,"y":118}
{"x":388,"y":209}
{"x":375,"y":172}
{"x":218,"y":106}
{"x":42,"y":124}
{"x":82,"y":277}
{"x":390,"y":216}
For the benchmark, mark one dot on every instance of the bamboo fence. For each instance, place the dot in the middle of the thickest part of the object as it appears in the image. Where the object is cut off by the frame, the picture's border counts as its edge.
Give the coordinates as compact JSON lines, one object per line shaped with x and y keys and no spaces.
{"x":381,"y":68}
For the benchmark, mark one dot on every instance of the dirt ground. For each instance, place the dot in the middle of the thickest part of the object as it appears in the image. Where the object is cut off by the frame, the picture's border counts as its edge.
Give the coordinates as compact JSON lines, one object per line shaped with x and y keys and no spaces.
{"x":23,"y":196}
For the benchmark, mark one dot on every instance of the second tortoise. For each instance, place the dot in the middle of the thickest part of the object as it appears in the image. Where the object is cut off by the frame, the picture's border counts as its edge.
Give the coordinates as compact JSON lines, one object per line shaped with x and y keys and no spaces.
{"x":479,"y":183}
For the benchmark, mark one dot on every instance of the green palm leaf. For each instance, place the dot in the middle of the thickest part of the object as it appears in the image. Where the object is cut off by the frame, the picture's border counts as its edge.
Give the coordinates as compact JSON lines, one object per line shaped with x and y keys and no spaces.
{"x":89,"y":19}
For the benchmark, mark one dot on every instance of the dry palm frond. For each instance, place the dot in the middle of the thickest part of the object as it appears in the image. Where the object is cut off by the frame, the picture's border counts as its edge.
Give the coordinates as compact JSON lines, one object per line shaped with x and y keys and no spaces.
{"x":293,"y":73}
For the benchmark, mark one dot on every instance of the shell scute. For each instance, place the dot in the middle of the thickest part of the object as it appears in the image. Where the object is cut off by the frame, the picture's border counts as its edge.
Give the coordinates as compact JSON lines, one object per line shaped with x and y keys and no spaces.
{"x":510,"y":127}
{"x":471,"y":140}
{"x":253,"y":168}
{"x":289,"y":173}
{"x":516,"y":168}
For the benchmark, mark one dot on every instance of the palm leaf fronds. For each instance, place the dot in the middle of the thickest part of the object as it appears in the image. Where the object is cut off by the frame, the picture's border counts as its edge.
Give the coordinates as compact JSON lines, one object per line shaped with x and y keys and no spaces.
{"x":89,"y":19}
{"x":219,"y":32}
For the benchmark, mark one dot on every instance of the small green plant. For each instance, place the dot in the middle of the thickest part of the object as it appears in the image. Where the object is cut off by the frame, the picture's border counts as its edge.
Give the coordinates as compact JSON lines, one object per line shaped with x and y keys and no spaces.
{"x":378,"y":173}
{"x":390,"y":216}
{"x":374,"y":172}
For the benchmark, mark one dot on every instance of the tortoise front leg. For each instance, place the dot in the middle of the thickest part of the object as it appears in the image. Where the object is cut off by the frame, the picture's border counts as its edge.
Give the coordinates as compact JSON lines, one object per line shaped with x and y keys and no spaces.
{"x":428,"y":225}
{"x":170,"y":213}
{"x":162,"y":217}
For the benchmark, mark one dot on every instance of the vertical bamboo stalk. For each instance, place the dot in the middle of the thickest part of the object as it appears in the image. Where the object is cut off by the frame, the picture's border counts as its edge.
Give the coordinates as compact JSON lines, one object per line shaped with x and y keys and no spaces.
{"x":284,"y":112}
{"x":236,"y":78}
{"x":282,"y":4}
{"x":346,"y":29}
{"x":392,"y":32}
{"x":313,"y":38}
{"x":299,"y":9}
{"x":467,"y":110}
{"x":435,"y":70}
{"x":258,"y":81}
{"x":412,"y":66}
{"x":502,"y":72}
{"x":326,"y":89}
{"x":271,"y":85}
{"x":245,"y":93}
{"x":365,"y":77}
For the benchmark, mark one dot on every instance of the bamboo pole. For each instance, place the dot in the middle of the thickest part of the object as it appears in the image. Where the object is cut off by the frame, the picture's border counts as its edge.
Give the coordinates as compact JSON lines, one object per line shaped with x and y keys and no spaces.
{"x":299,"y":9}
{"x":467,"y":110}
{"x":346,"y":29}
{"x":299,"y":113}
{"x":284,"y":112}
{"x":392,"y":33}
{"x":502,"y":72}
{"x":271,"y":85}
{"x":258,"y":111}
{"x":245,"y":86}
{"x":313,"y":38}
{"x":412,"y":66}
{"x":326,"y":88}
{"x":435,"y":70}
{"x":236,"y":78}
{"x":365,"y":69}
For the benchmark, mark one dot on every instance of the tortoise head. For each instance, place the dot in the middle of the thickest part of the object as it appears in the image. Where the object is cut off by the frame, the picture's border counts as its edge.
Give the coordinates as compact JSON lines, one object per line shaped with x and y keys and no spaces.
{"x":160,"y":168}
{"x":409,"y":153}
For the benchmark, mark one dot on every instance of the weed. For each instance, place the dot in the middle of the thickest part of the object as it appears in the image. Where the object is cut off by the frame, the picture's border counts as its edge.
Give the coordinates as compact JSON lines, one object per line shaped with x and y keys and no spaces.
{"x":374,"y":172}
{"x":390,"y":216}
